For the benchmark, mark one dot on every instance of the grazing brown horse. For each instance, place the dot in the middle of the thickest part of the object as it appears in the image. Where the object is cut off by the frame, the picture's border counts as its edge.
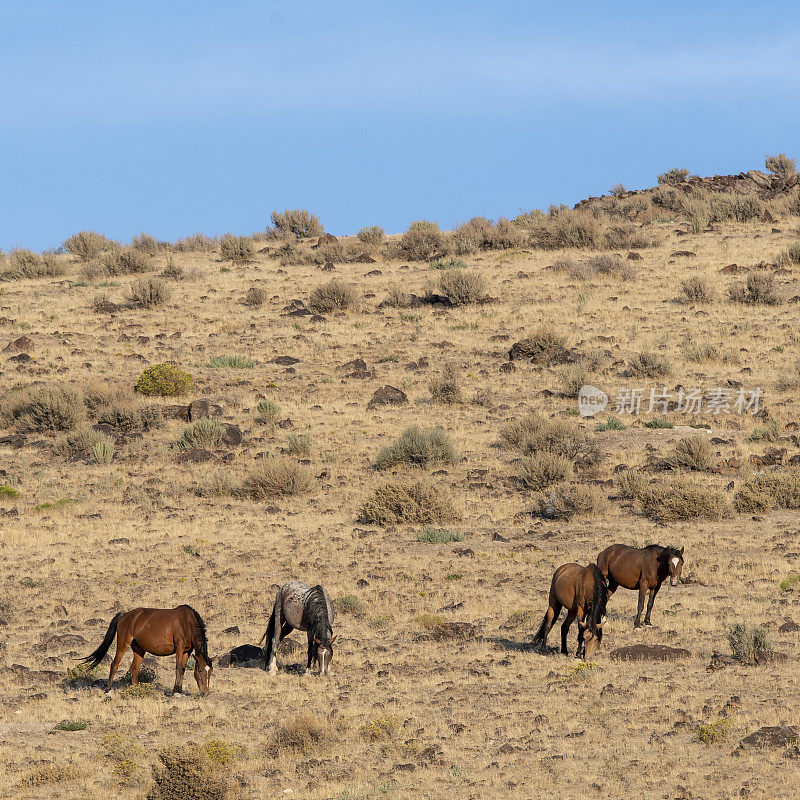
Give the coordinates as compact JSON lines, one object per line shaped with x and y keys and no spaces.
{"x":162,"y":632}
{"x":583,"y":592}
{"x":644,"y":569}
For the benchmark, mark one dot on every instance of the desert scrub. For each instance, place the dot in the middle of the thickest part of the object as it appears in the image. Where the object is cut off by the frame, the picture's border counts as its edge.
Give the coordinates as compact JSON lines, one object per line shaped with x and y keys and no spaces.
{"x":714,"y":732}
{"x":351,"y":605}
{"x":648,"y":365}
{"x":422,"y":241}
{"x":373,"y":235}
{"x":791,"y":255}
{"x":766,"y":433}
{"x":543,"y":469}
{"x":673,"y":176}
{"x":679,"y":499}
{"x":748,"y":641}
{"x":276,"y":477}
{"x":543,"y":341}
{"x":125,"y":261}
{"x":790,"y":584}
{"x":255,"y":297}
{"x":537,"y":434}
{"x":205,"y":434}
{"x":612,"y":423}
{"x":223,"y":753}
{"x":150,"y":292}
{"x":268,"y":412}
{"x":333,"y":296}
{"x":758,"y":289}
{"x":767,"y":491}
{"x":87,"y":245}
{"x":463,"y":286}
{"x":102,"y":451}
{"x":380,"y":728}
{"x":409,"y":503}
{"x":297,"y":222}
{"x":164,"y":380}
{"x":80,"y":442}
{"x":693,"y":452}
{"x":631,"y":483}
{"x":445,"y":388}
{"x":303,"y":732}
{"x":236,"y":249}
{"x":127,"y":415}
{"x":9,"y":492}
{"x":580,"y":673}
{"x":187,"y":772}
{"x":298,"y":444}
{"x":43,"y":409}
{"x":574,"y":376}
{"x":659,"y":422}
{"x":45,"y":774}
{"x":697,"y":290}
{"x":430,"y":535}
{"x":232,"y":362}
{"x":567,"y":501}
{"x":26,"y":264}
{"x":71,"y":725}
{"x":419,"y":448}
{"x":450,"y":263}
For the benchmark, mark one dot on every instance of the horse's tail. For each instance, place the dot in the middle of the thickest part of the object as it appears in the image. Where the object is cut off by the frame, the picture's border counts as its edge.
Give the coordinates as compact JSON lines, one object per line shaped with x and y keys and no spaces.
{"x":599,"y":600}
{"x":540,"y":633}
{"x":552,"y":603}
{"x":269,"y":633}
{"x":95,"y":658}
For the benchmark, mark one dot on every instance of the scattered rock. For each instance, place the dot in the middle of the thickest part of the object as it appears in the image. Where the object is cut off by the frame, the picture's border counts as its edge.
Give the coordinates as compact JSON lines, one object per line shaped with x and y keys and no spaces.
{"x":286,"y":361}
{"x":683,"y":254}
{"x":105,"y":307}
{"x":450,"y":630}
{"x":387,"y":396}
{"x":202,"y":408}
{"x":770,"y":737}
{"x":233,"y":435}
{"x":649,"y":652}
{"x":325,"y":239}
{"x":634,"y":256}
{"x":22,"y":344}
{"x":197,"y":455}
{"x":21,"y":358}
{"x":790,"y":626}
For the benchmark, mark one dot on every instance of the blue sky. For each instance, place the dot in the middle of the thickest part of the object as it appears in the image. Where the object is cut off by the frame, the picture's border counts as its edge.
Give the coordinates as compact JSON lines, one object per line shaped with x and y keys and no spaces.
{"x":179,"y":117}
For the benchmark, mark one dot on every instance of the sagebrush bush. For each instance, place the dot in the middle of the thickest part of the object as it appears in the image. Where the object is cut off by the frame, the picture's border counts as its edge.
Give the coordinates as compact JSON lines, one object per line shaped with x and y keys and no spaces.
{"x":781,"y":166}
{"x":298,"y":444}
{"x":26,"y":264}
{"x":79,"y":442}
{"x":543,"y":341}
{"x":473,"y":236}
{"x":747,"y":642}
{"x":562,"y":228}
{"x":419,"y":448}
{"x":44,"y":774}
{"x":196,"y":243}
{"x":537,"y":434}
{"x":204,"y":434}
{"x":102,"y":451}
{"x":44,"y":409}
{"x":147,"y":244}
{"x":574,"y":376}
{"x":673,"y":176}
{"x":422,"y":241}
{"x":232,"y":362}
{"x":697,"y":290}
{"x":125,"y":261}
{"x":186,"y":773}
{"x":373,"y":235}
{"x":268,"y":412}
{"x":237,"y":249}
{"x":127,"y":415}
{"x":351,"y":605}
{"x":631,"y":483}
{"x":409,"y":503}
{"x":276,"y":477}
{"x":303,"y":732}
{"x":543,"y":469}
{"x":567,"y":501}
{"x":164,"y":380}
{"x":648,"y":364}
{"x":758,"y":289}
{"x":679,"y":499}
{"x":150,"y":292}
{"x":255,"y":296}
{"x":296,"y":222}
{"x":462,"y":287}
{"x":445,"y":387}
{"x":336,"y":295}
{"x":791,"y":255}
{"x":693,"y":452}
{"x":430,"y":535}
{"x":87,"y":245}
{"x":768,"y":490}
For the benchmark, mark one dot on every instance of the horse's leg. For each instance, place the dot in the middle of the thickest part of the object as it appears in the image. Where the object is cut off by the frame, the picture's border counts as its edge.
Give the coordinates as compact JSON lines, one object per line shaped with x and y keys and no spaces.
{"x":612,"y":586}
{"x":310,"y":651}
{"x":138,"y":655}
{"x":181,"y":657}
{"x":581,"y":651}
{"x":275,"y":636}
{"x":565,"y":629}
{"x":637,"y":623}
{"x":650,"y":601}
{"x":551,"y":615}
{"x":123,"y":643}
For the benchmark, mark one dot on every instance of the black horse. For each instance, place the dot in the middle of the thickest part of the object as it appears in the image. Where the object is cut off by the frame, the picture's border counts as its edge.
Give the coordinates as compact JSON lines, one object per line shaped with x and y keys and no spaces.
{"x":306,"y":609}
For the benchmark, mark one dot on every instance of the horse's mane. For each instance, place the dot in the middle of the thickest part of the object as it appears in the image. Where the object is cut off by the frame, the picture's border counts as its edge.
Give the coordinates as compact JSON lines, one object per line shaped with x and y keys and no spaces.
{"x":599,"y":600}
{"x":200,"y":632}
{"x":315,"y":610}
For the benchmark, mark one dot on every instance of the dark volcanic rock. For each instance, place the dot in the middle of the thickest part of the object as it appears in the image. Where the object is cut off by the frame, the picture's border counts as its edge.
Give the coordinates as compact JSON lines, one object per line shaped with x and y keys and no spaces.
{"x":387,"y":396}
{"x":203,"y":407}
{"x":649,"y":652}
{"x":20,"y":345}
{"x":770,"y":737}
{"x":233,"y":435}
{"x":286,"y":361}
{"x":194,"y":456}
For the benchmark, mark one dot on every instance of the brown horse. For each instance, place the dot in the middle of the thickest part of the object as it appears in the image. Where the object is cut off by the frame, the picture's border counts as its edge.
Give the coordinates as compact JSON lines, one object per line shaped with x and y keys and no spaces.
{"x":162,"y":632}
{"x":644,"y":569}
{"x":583,"y":592}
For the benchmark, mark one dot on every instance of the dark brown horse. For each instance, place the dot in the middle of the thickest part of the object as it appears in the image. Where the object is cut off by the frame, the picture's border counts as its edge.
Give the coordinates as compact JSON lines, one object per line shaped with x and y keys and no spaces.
{"x":644,"y":569}
{"x":583,"y":592}
{"x":162,"y":632}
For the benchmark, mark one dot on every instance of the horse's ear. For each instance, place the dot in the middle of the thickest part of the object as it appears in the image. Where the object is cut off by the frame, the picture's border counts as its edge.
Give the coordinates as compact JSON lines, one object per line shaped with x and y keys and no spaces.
{"x":317,"y":641}
{"x":333,"y":638}
{"x":681,"y":551}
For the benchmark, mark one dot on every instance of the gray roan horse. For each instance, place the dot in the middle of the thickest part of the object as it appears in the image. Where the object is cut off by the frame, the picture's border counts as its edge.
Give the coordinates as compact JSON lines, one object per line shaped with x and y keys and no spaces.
{"x":304,"y":608}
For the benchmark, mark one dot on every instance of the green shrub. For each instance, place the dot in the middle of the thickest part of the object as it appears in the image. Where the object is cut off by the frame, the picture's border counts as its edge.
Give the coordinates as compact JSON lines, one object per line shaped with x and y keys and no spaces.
{"x":422,"y":241}
{"x":164,"y":380}
{"x":747,"y":641}
{"x":234,"y":362}
{"x":276,"y":477}
{"x":537,"y":434}
{"x":714,"y":732}
{"x":80,"y":442}
{"x":336,"y":295}
{"x":445,"y":387}
{"x":659,"y":422}
{"x":236,"y":249}
{"x":611,"y":424}
{"x":438,"y":536}
{"x":351,"y":605}
{"x":766,"y":433}
{"x":150,"y":292}
{"x":204,"y":434}
{"x":673,"y":176}
{"x":297,"y":222}
{"x":71,"y":725}
{"x":87,"y":245}
{"x":103,"y":451}
{"x":298,"y":444}
{"x":462,"y":287}
{"x":9,"y":492}
{"x":406,"y":503}
{"x":269,"y":412}
{"x":450,"y":263}
{"x":543,"y":469}
{"x":418,"y":447}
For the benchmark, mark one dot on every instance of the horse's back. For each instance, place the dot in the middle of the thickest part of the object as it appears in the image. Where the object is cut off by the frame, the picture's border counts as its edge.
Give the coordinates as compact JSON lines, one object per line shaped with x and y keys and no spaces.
{"x":623,"y":564}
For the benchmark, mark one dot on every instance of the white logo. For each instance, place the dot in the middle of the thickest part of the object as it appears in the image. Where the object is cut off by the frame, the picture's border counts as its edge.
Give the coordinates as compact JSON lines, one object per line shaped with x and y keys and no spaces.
{"x":591,"y":400}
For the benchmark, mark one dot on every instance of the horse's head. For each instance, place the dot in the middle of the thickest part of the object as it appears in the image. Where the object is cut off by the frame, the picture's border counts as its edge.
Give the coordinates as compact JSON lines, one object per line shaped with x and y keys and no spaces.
{"x":675,"y":566}
{"x":202,"y":674}
{"x":591,"y":641}
{"x":324,"y":654}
